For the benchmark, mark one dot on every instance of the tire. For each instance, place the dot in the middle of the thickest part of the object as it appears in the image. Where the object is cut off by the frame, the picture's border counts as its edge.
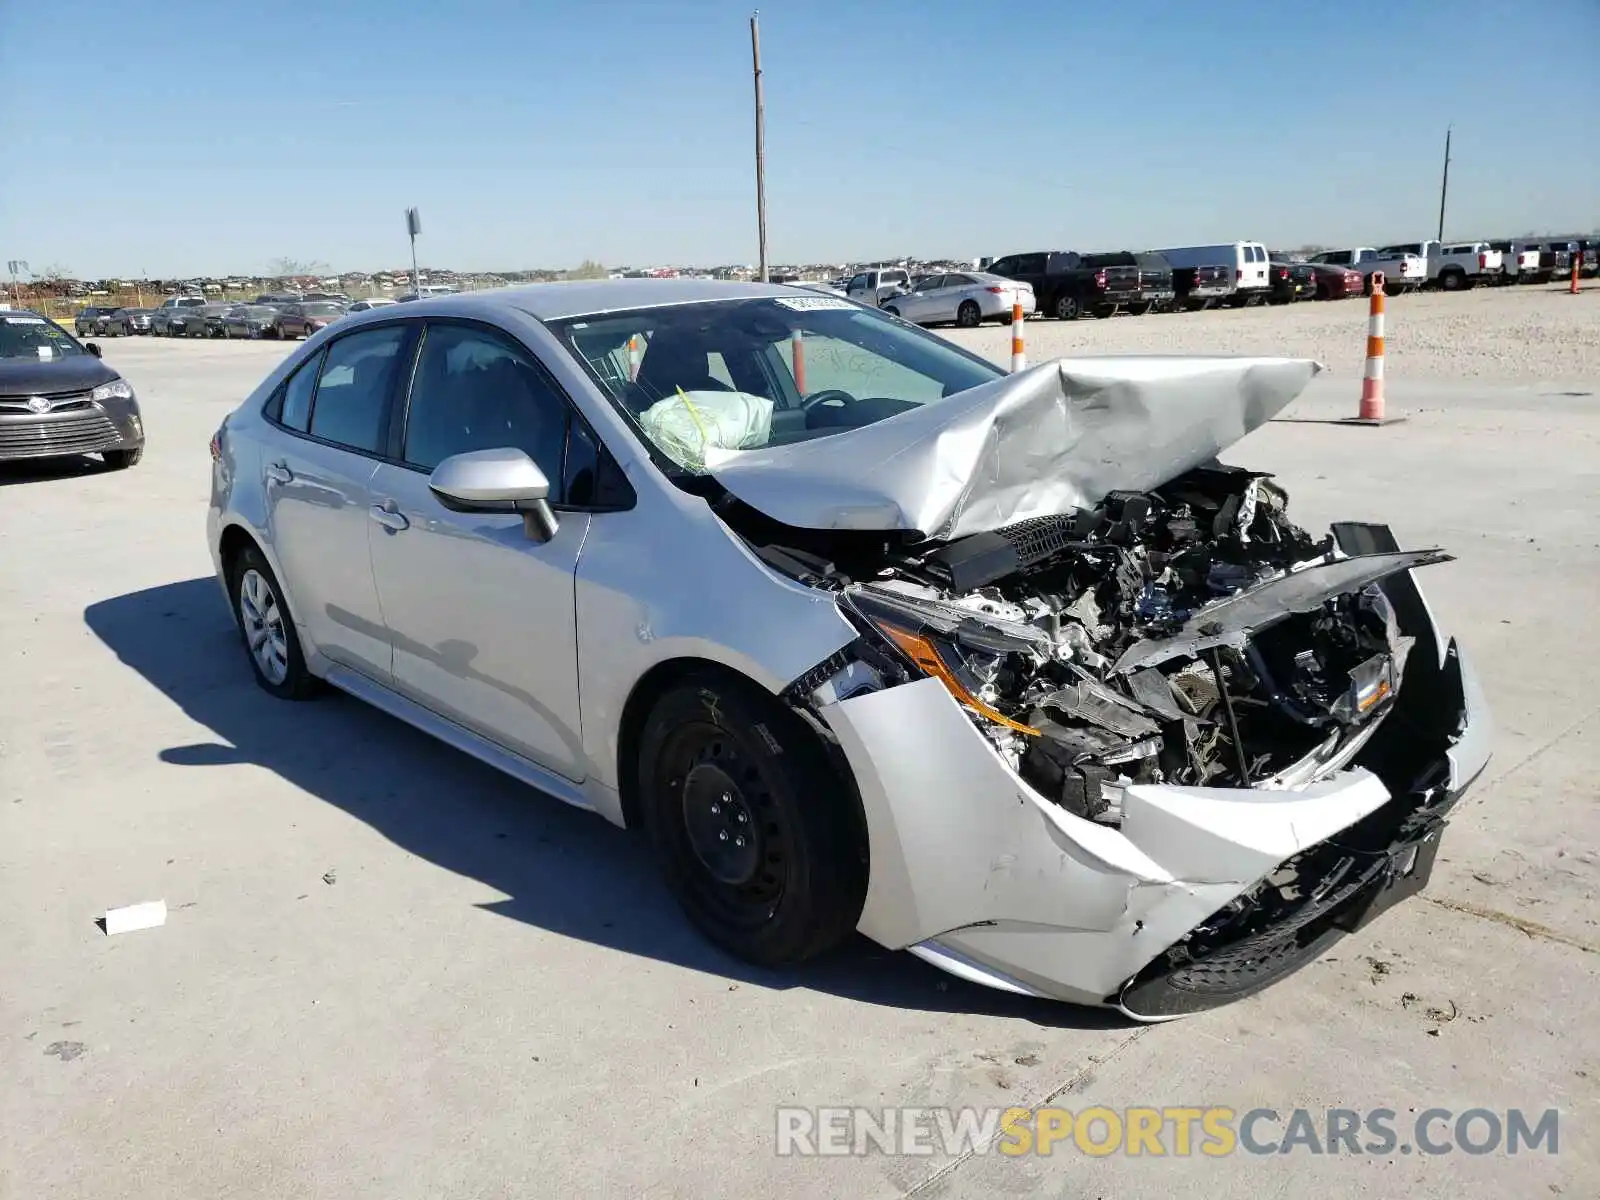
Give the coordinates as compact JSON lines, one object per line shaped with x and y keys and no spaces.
{"x":1066,"y":308}
{"x":1104,"y":311}
{"x":1141,"y":308}
{"x":969,"y":315}
{"x":717,"y":756}
{"x":121,"y":460}
{"x":892,"y":310}
{"x":285,"y":675}
{"x":1453,"y":280}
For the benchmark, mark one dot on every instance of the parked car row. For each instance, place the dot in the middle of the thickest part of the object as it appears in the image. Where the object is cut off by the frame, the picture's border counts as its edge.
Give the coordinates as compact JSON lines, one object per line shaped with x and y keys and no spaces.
{"x":1067,"y":284}
{"x":268,"y":316}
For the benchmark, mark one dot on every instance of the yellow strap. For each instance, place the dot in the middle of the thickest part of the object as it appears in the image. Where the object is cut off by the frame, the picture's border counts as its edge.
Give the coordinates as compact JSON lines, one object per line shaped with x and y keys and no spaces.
{"x":705,"y":438}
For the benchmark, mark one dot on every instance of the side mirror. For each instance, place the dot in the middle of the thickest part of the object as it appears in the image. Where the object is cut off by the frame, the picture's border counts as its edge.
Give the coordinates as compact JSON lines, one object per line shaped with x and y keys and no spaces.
{"x":92,"y":349}
{"x":504,"y":480}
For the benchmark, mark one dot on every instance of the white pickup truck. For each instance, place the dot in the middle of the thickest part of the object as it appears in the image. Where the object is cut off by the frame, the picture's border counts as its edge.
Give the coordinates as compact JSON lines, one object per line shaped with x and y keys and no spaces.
{"x":1456,"y":265}
{"x":1521,"y":260}
{"x":1402,"y":272}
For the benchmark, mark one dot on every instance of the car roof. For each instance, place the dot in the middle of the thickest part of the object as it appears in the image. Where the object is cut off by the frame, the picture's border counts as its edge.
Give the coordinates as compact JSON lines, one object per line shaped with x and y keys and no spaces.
{"x":581,"y":298}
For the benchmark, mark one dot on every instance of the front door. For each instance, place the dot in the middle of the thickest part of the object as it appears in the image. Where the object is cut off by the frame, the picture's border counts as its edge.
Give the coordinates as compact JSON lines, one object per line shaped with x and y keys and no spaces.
{"x":482,"y":618}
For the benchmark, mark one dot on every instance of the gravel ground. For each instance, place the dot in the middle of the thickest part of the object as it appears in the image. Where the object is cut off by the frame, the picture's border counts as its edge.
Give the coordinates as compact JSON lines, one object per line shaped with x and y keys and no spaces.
{"x":1525,"y":334}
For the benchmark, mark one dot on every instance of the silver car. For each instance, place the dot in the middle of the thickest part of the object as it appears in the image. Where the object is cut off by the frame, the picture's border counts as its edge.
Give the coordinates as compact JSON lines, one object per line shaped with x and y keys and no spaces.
{"x":967,"y":298}
{"x":864,"y":634}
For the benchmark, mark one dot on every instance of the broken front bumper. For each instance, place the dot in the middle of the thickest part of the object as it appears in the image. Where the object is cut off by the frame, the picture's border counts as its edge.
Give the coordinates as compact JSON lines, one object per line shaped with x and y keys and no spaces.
{"x":974,"y":871}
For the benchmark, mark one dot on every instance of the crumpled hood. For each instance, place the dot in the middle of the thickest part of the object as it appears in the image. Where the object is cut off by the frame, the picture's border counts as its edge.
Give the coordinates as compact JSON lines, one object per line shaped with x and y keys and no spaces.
{"x":1047,"y":440}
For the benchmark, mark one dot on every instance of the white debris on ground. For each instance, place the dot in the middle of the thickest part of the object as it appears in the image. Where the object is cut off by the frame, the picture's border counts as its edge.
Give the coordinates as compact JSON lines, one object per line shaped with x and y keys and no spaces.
{"x":1505,"y":334}
{"x":132,"y":917}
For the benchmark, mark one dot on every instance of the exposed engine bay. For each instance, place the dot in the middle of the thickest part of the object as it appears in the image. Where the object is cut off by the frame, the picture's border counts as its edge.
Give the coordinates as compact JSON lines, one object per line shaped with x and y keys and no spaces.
{"x":1187,"y":635}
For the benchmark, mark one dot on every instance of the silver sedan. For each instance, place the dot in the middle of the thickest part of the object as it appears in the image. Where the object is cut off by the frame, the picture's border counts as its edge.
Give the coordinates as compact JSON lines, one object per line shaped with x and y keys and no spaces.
{"x":863,"y":633}
{"x":966,"y":298}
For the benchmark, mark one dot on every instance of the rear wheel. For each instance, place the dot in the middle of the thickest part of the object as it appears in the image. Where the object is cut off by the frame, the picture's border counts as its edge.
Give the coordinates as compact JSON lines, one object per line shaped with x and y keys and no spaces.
{"x":969,"y":314}
{"x":1452,"y":280}
{"x":1141,"y":308}
{"x":892,"y":310}
{"x":757,"y":836}
{"x":1102,"y":311}
{"x":271,"y":642}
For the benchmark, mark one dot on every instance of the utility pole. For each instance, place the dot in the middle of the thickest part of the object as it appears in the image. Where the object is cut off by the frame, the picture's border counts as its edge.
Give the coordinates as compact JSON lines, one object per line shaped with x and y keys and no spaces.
{"x":1444,"y":185}
{"x":761,"y":142}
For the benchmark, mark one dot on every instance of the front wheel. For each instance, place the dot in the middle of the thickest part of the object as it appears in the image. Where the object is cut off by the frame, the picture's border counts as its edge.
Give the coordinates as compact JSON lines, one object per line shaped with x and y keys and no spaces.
{"x":271,"y":642}
{"x":121,"y":460}
{"x":756,"y":834}
{"x":1066,"y":308}
{"x":892,"y":310}
{"x":969,"y":315}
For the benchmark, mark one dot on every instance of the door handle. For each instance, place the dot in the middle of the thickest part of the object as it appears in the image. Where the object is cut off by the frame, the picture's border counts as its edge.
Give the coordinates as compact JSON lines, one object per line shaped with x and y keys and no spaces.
{"x":279,"y":472}
{"x":387,"y":515}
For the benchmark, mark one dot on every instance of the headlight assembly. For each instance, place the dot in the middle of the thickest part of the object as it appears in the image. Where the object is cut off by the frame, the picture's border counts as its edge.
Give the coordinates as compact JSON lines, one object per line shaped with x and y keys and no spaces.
{"x":948,"y":644}
{"x":117,"y":389}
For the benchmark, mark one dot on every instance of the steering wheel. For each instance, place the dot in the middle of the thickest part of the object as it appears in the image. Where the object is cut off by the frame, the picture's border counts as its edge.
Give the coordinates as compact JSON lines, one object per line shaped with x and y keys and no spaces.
{"x":826,"y":396}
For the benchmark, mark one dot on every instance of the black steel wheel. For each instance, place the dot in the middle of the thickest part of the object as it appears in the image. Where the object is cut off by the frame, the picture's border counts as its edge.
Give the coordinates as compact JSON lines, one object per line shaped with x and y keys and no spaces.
{"x":758,"y":837}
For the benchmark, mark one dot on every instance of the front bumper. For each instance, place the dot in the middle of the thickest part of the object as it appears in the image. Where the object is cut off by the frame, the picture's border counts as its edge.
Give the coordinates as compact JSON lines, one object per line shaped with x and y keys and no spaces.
{"x":977,"y":873}
{"x":76,"y":425}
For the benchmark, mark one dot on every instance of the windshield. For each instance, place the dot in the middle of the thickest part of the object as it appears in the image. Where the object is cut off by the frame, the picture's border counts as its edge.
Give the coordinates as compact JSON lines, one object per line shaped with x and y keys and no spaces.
{"x":723,"y":375}
{"x":24,"y":336}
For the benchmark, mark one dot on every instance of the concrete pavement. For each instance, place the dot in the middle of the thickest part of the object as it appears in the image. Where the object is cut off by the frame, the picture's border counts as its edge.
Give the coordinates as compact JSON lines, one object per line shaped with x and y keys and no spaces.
{"x":388,"y":971}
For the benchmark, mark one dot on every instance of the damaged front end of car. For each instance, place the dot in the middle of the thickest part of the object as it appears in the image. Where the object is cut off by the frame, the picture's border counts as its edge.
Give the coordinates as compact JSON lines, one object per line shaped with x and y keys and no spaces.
{"x":1155,"y":751}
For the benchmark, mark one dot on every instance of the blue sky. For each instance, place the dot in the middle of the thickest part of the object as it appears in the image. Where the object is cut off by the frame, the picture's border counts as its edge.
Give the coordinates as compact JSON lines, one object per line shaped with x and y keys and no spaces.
{"x":173,"y":137}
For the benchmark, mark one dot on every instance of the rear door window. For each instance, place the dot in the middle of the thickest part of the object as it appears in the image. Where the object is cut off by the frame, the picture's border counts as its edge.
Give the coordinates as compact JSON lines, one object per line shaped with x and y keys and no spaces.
{"x":352,"y":399}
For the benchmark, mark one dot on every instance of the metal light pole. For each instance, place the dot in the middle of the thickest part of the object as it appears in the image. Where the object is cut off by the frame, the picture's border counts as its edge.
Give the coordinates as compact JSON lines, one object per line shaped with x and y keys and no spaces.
{"x":1444,"y":185}
{"x":761,"y":142}
{"x":414,"y":227}
{"x":15,"y":265}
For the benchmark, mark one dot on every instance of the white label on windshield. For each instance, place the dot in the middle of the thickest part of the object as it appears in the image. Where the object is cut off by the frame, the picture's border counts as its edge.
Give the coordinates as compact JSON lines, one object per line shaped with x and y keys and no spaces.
{"x":812,"y":303}
{"x":25,"y":321}
{"x":46,"y":351}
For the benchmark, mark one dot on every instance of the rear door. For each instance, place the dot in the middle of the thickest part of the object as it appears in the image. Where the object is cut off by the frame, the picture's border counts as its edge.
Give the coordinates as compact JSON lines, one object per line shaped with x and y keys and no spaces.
{"x":482,"y":617}
{"x":334,"y":415}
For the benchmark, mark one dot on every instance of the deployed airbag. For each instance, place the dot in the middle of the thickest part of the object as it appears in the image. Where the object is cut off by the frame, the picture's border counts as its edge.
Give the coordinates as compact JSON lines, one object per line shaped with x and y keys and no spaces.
{"x":687,"y":424}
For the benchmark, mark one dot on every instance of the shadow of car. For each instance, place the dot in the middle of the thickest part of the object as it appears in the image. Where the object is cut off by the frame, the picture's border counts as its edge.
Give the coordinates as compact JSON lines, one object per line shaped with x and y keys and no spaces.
{"x":561,"y":869}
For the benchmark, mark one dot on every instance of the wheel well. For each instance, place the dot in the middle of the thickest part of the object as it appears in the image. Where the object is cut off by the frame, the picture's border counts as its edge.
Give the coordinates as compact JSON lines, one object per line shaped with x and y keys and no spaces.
{"x":654,"y":684}
{"x":234,"y":542}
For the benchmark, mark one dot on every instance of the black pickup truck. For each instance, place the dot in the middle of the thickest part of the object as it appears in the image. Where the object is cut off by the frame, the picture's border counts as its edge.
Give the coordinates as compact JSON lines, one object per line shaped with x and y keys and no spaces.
{"x":1067,"y":286}
{"x":1201,"y":287}
{"x":1155,"y":277}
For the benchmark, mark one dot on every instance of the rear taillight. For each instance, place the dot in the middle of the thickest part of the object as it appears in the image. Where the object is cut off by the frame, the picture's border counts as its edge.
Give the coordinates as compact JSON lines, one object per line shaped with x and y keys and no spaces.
{"x":1483,"y":262}
{"x":216,"y":446}
{"x":1100,"y":279}
{"x":1238,"y":274}
{"x":998,"y":291}
{"x":1283,"y":272}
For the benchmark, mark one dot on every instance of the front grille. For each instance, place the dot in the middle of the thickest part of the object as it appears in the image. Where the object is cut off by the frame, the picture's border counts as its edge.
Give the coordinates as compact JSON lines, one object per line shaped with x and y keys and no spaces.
{"x":77,"y":433}
{"x":60,"y":402}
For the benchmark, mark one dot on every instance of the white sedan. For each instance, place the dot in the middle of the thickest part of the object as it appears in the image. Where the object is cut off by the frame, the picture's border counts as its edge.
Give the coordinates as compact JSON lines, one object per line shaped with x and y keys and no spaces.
{"x":967,"y":299}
